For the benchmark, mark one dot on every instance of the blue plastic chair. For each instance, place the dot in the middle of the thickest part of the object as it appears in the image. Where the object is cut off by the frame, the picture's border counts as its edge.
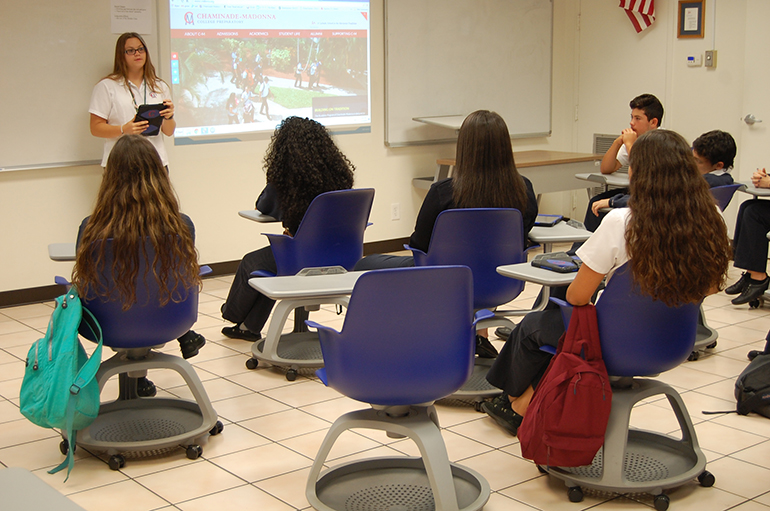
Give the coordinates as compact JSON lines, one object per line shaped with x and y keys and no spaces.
{"x":331,"y":234}
{"x":407,"y":340}
{"x":482,"y":239}
{"x":723,"y":194}
{"x":132,"y":424}
{"x":640,"y":338}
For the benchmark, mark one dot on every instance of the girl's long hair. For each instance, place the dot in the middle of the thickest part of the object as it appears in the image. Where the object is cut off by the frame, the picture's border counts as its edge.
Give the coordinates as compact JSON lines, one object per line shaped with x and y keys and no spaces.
{"x":136,"y":206}
{"x":120,"y":68}
{"x":485,"y":174}
{"x":676,"y":239}
{"x":302,"y":161}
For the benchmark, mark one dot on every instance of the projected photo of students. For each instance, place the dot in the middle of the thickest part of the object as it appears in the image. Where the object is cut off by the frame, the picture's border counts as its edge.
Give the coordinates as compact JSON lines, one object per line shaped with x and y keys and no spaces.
{"x":222,"y":81}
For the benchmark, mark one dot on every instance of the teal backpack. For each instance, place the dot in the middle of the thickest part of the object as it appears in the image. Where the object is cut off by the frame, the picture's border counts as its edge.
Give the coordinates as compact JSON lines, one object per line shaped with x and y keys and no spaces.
{"x":59,"y":389}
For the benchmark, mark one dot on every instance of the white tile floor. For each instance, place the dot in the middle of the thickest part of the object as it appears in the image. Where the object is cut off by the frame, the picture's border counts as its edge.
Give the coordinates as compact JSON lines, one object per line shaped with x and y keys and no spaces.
{"x":273,"y":429}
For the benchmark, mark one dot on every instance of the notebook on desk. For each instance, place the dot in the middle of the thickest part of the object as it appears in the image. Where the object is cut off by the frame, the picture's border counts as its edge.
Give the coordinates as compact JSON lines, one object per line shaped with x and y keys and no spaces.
{"x":547,"y":220}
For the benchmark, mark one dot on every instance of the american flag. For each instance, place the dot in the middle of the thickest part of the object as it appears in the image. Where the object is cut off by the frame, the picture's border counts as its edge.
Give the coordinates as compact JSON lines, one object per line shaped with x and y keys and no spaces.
{"x":640,"y":12}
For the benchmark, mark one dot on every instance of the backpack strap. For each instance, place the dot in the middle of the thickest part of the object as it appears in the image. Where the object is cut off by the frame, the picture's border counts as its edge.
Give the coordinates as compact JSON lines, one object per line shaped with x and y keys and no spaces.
{"x":83,"y":378}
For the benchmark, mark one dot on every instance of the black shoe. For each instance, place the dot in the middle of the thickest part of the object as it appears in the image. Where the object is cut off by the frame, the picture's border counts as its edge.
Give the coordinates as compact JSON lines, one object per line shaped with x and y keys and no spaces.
{"x":740,"y":286}
{"x":503,"y":332}
{"x":484,"y":348}
{"x":754,"y":289}
{"x":500,"y":410}
{"x":754,"y":354}
{"x":145,"y":388}
{"x":190,"y":343}
{"x":235,"y":332}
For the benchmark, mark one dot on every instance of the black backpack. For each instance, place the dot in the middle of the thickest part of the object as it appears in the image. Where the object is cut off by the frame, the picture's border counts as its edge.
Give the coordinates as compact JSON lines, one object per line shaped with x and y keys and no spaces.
{"x":752,"y":388}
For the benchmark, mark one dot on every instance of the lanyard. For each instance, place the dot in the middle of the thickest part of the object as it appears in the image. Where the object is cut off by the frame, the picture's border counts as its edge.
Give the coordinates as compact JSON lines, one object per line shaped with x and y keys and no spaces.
{"x":133,"y":99}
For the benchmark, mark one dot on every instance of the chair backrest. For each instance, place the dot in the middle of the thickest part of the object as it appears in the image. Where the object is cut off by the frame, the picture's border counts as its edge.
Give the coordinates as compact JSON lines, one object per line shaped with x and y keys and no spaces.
{"x":331,"y":233}
{"x":639,"y":335}
{"x":146,"y":323}
{"x":723,"y":194}
{"x":481,"y":239}
{"x":408,"y":336}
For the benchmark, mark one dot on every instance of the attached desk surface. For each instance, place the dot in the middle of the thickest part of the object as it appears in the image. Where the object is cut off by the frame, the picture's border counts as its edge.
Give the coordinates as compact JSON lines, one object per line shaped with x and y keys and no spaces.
{"x":529,"y":273}
{"x":309,"y":286}
{"x":749,"y":188}
{"x":452,"y":122}
{"x":549,"y":171}
{"x":559,"y":233}
{"x":257,"y":216}
{"x":614,"y":179}
{"x":22,"y":490}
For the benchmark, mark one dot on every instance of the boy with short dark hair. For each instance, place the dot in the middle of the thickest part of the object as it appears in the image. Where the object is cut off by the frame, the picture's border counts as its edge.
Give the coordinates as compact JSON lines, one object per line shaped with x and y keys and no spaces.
{"x":714,"y":153}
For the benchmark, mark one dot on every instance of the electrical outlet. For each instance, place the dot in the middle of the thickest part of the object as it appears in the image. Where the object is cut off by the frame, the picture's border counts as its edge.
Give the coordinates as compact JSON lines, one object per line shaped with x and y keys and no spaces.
{"x":395,"y":211}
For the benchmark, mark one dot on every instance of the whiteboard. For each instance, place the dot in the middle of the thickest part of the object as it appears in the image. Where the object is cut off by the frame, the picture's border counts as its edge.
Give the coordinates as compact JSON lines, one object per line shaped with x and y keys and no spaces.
{"x":452,"y":57}
{"x":53,"y":54}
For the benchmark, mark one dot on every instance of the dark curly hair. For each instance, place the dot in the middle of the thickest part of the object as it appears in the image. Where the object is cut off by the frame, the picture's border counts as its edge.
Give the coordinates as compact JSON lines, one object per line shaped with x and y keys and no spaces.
{"x":301,"y":162}
{"x":716,"y":146}
{"x":676,"y":239}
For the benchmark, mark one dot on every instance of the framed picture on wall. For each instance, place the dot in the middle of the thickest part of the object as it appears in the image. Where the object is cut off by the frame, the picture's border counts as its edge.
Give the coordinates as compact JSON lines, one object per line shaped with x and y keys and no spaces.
{"x":690,"y":18}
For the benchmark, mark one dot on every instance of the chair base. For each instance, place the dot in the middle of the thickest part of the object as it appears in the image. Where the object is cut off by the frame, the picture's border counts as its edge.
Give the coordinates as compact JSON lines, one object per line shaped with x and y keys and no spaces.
{"x":134,"y":425}
{"x":476,"y":388}
{"x":635,"y":461}
{"x":705,"y":337}
{"x":389,"y":483}
{"x":429,"y":482}
{"x":295,"y":350}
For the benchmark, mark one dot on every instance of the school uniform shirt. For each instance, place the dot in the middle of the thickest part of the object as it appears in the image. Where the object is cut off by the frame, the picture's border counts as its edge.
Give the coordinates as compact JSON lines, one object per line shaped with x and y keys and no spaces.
{"x":605,"y":250}
{"x":113,"y":101}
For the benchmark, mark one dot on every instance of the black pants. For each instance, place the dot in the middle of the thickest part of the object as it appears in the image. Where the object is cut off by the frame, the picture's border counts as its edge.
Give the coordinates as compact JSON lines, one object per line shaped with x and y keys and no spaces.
{"x":244,"y":303}
{"x":381,"y":261}
{"x":750,"y":237}
{"x":592,"y":221}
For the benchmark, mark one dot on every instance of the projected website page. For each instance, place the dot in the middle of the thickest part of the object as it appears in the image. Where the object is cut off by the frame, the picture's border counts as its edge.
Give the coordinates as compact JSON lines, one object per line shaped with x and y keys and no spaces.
{"x":241,"y":66}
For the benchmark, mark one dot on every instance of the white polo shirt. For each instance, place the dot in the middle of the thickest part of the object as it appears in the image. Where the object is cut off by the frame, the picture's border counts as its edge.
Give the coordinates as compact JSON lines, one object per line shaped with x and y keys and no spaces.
{"x":112,"y":100}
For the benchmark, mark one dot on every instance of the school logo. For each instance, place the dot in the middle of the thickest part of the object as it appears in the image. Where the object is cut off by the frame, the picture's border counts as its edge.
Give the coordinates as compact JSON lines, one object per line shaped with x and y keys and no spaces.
{"x":188,"y":18}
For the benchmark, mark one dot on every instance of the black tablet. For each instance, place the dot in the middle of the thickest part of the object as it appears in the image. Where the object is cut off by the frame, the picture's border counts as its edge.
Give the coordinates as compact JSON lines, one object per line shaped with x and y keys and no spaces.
{"x":560,"y":262}
{"x":151,"y":114}
{"x":547,"y":220}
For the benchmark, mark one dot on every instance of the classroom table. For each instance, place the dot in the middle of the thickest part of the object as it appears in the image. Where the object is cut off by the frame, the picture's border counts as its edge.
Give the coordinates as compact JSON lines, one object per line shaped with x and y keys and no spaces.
{"x":549,"y":171}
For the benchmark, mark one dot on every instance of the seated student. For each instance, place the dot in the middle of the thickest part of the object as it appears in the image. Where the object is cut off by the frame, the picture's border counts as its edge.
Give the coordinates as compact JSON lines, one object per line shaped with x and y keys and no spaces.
{"x":485,"y":176}
{"x":136,"y":201}
{"x":750,"y":245}
{"x":646,"y":115}
{"x":673,"y":258}
{"x":714,"y":153}
{"x":301,"y":162}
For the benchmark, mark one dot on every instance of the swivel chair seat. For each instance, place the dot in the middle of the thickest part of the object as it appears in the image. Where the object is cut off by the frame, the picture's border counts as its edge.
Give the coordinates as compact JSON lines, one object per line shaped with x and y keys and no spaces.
{"x":407,"y":341}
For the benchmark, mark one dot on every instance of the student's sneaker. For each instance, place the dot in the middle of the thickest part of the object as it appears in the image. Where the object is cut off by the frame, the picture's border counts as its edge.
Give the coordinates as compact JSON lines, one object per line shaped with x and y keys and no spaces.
{"x":500,"y":410}
{"x":739,"y":286}
{"x":484,"y":348}
{"x":236,"y":332}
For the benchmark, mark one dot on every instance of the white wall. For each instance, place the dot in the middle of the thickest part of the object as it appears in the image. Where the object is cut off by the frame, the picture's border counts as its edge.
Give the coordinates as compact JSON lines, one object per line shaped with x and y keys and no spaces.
{"x":597,"y":68}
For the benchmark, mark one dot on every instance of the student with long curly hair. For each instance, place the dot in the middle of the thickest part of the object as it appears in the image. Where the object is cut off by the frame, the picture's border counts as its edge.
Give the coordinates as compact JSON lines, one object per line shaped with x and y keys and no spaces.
{"x":301,"y":162}
{"x":117,"y":97}
{"x":672,"y":234}
{"x":136,"y":204}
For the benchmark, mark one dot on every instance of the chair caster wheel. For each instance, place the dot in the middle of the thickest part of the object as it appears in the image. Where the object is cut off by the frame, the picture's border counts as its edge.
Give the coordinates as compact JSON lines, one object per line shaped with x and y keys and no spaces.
{"x":291,"y":374}
{"x":575,"y":494}
{"x":477,"y":406}
{"x":217,"y":429}
{"x":543,"y":471}
{"x":711,"y":346}
{"x":194,"y":452}
{"x":706,"y":479}
{"x":661,"y":502}
{"x":693,"y":356}
{"x":64,"y":447}
{"x":756,"y":303}
{"x":117,"y":462}
{"x":252,"y":363}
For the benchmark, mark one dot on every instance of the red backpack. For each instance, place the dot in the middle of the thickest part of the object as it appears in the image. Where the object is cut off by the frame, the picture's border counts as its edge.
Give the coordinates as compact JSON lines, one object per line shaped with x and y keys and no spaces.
{"x":565,"y":423}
